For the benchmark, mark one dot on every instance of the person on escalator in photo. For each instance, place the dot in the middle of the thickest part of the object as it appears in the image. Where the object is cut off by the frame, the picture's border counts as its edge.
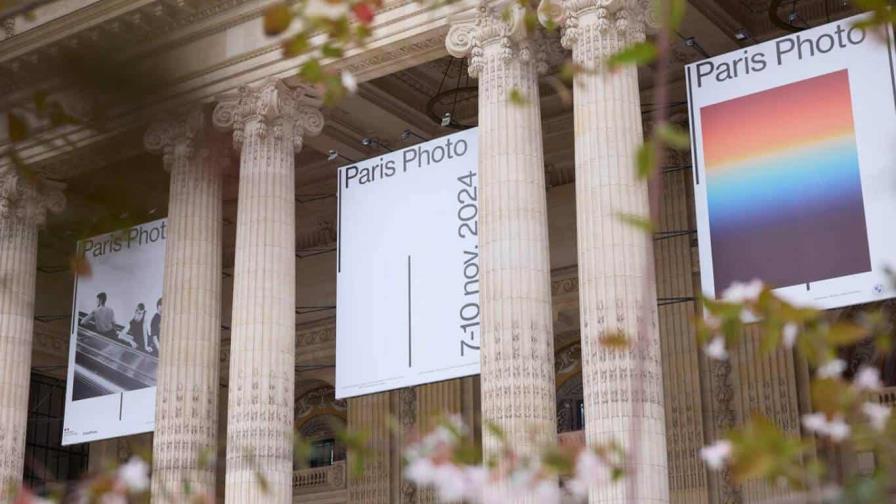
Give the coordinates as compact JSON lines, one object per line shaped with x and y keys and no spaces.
{"x":155,"y":328}
{"x":103,"y":317}
{"x":138,"y":330}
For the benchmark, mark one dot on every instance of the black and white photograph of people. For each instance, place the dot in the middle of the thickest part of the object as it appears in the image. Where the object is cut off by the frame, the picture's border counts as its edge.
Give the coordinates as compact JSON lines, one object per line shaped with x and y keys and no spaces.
{"x":140,"y":332}
{"x":155,"y":326}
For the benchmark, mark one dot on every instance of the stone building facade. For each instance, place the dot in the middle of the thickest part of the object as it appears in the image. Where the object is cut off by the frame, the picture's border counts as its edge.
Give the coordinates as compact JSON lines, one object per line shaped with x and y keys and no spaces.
{"x":241,"y":155}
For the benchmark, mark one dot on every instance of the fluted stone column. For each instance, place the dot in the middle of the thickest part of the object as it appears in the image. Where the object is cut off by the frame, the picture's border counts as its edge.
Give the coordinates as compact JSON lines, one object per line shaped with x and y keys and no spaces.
{"x":184,"y":446}
{"x":23,"y":207}
{"x":517,"y":338}
{"x":623,"y":390}
{"x":269,"y":123}
{"x":371,"y":416}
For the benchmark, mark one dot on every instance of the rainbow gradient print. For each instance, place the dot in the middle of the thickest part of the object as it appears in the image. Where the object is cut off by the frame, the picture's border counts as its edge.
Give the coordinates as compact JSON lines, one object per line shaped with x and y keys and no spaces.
{"x":783,"y":187}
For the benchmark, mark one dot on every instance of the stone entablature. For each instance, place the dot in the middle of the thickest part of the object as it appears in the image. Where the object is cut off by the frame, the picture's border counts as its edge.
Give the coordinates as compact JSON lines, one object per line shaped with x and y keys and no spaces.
{"x":219,"y":50}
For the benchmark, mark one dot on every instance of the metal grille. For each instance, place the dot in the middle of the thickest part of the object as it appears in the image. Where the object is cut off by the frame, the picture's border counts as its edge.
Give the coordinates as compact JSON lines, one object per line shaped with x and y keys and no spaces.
{"x":47,"y":462}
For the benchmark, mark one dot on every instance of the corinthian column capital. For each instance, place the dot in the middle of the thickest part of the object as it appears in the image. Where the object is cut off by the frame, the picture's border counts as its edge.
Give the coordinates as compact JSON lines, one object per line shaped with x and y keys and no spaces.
{"x":601,"y":26}
{"x":174,"y":137}
{"x":270,"y":109}
{"x":28,"y":199}
{"x":498,"y":27}
{"x":183,"y":138}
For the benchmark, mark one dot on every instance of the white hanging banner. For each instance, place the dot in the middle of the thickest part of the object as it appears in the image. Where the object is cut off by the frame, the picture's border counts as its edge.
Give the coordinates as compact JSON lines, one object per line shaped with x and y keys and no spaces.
{"x":115,"y":334}
{"x":793,"y":158}
{"x":408,"y":267}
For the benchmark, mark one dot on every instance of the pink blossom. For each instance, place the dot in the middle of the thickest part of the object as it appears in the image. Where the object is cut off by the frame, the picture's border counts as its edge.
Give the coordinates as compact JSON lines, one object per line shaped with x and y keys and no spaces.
{"x":742,"y":292}
{"x":836,"y":429}
{"x":867,"y":378}
{"x":878,"y":415}
{"x":788,"y":335}
{"x":716,"y":454}
{"x":134,"y":475}
{"x":831,"y":369}
{"x":716,"y":348}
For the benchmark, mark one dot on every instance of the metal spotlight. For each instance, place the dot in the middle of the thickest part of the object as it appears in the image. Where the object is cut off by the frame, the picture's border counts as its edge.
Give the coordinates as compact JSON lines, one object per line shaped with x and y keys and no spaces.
{"x":332,"y":155}
{"x":408,"y":133}
{"x":370,"y":141}
{"x":742,"y":34}
{"x":446,"y":119}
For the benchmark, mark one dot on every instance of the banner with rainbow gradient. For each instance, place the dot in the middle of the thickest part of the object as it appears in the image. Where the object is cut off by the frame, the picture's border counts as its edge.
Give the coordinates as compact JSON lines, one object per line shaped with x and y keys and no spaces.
{"x":795,"y":169}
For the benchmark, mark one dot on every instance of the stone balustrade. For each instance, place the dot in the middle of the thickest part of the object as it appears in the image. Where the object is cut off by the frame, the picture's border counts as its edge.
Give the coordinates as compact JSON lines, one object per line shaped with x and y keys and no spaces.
{"x":886,"y":396}
{"x":319,"y":479}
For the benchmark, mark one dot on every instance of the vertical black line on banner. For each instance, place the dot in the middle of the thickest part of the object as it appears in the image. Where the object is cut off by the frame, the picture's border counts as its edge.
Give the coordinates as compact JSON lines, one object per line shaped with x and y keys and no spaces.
{"x":890,"y":56}
{"x":75,"y":303}
{"x":807,"y":285}
{"x":691,"y":121}
{"x":120,"y":404}
{"x":339,"y":225}
{"x":409,"y":311}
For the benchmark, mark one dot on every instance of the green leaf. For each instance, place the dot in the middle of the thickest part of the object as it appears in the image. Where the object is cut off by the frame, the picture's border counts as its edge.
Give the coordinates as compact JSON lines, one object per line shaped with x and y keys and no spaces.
{"x":296,"y":45}
{"x":277,"y":19}
{"x":614,"y":341}
{"x":646,"y":160}
{"x":674,"y":136}
{"x":675,"y":13}
{"x":495,"y":430}
{"x":517,"y":98}
{"x":58,"y":115}
{"x":530,"y":20}
{"x":18,"y":129}
{"x":640,"y":53}
{"x":844,"y":334}
{"x":642,"y":223}
{"x":331,"y":51}
{"x":40,"y":101}
{"x":262,"y":482}
{"x":831,"y":396}
{"x":362,"y":32}
{"x":311,"y":71}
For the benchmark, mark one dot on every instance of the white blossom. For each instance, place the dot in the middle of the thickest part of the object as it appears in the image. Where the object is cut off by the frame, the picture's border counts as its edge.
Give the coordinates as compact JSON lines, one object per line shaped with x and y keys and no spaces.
{"x":716,"y":454}
{"x":451,"y":483}
{"x":836,"y":429}
{"x":788,"y":335}
{"x":742,"y":292}
{"x":590,"y":471}
{"x":134,"y":474}
{"x":349,"y":82}
{"x":326,"y":9}
{"x":868,"y":378}
{"x":112,"y":498}
{"x":878,"y":415}
{"x":815,"y":422}
{"x":831,"y":369}
{"x":421,"y":471}
{"x":546,"y":492}
{"x":716,"y":348}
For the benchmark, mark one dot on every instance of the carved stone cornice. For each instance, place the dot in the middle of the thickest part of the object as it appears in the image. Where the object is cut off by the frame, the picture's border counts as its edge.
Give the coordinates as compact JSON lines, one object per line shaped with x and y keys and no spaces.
{"x":28,"y":199}
{"x":271,"y":108}
{"x":500,"y":25}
